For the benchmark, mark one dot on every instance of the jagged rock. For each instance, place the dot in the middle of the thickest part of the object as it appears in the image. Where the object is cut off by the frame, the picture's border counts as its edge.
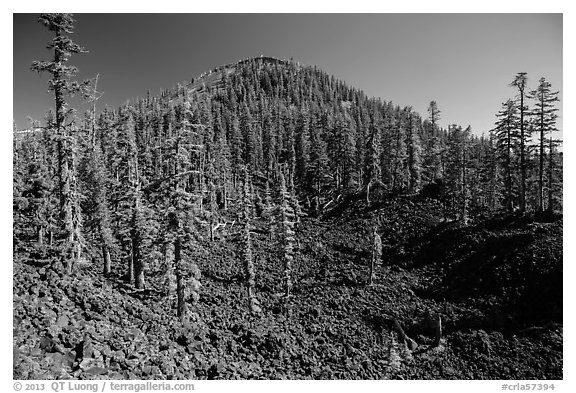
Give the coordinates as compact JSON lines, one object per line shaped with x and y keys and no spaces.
{"x":215,"y":370}
{"x":483,"y":342}
{"x":85,"y":349}
{"x":62,"y":321}
{"x":96,"y":370}
{"x":167,"y":366}
{"x":47,"y":344}
{"x":155,"y":371}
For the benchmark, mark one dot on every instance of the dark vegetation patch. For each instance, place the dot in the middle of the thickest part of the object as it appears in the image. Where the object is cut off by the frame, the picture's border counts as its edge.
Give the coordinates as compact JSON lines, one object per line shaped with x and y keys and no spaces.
{"x":510,"y":265}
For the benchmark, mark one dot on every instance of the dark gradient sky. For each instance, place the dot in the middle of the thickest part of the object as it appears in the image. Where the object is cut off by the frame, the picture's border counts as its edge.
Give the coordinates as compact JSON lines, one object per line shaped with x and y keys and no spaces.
{"x":463,"y":61}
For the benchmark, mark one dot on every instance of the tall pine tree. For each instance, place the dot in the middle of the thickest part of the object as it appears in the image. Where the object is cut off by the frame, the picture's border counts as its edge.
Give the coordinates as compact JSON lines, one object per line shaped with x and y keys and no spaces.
{"x":62,"y":85}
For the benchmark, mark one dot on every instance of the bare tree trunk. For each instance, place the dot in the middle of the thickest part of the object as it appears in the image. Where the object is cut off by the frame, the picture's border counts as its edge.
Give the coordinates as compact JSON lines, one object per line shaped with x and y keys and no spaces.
{"x":376,"y":256}
{"x":78,"y":254}
{"x":287,"y":236}
{"x":412,"y":345}
{"x":67,"y":216}
{"x":107,"y":260}
{"x":165,"y":253}
{"x":169,"y":278}
{"x":438,"y":334}
{"x":509,"y":206}
{"x":40,"y":235}
{"x":130,"y":275}
{"x":368,"y":192}
{"x":140,"y":282}
{"x":522,"y":156}
{"x":464,"y":206}
{"x":137,"y":264}
{"x":181,"y":310}
{"x":371,"y":276}
{"x":137,"y":258}
{"x":253,"y":303}
{"x":136,"y":232}
{"x":551,"y":177}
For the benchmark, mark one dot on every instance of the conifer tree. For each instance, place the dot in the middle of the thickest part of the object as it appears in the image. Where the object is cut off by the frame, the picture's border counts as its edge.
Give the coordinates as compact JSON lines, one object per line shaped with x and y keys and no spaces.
{"x":431,"y":148}
{"x":268,"y":212}
{"x":361,"y":135}
{"x":33,"y":171}
{"x":269,"y":142}
{"x":287,"y":235}
{"x":248,"y":136}
{"x":376,"y":254}
{"x":135,"y":234}
{"x":236,"y":147}
{"x":484,"y":185}
{"x":98,"y":187}
{"x":433,"y":115}
{"x":247,"y":255}
{"x":348,"y":148}
{"x":492,"y":175}
{"x":62,"y":85}
{"x":223,"y":166}
{"x":519,"y":82}
{"x":554,"y":174}
{"x":76,"y":211}
{"x":372,"y":171}
{"x":317,"y":166}
{"x":178,"y":196}
{"x":506,"y":137}
{"x":302,"y":144}
{"x":413,"y":148}
{"x":19,"y":202}
{"x":464,"y":163}
{"x":545,"y":116}
{"x":456,"y":171}
{"x":294,"y":201}
{"x":398,"y":154}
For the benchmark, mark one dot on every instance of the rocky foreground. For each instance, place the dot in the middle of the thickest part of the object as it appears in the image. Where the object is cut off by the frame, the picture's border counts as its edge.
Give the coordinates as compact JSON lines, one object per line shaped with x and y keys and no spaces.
{"x":497,"y":286}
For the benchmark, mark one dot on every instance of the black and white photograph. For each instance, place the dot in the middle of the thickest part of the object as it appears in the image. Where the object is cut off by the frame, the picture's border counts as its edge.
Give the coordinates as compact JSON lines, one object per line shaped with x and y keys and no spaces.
{"x":287,"y":196}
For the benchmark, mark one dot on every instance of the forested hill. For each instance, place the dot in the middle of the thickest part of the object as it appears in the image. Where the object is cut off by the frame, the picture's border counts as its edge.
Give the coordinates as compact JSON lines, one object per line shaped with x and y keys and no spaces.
{"x":275,"y":116}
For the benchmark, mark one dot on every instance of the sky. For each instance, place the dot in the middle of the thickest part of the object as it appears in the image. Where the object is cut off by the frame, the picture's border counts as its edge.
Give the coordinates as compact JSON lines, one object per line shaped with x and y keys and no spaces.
{"x":464,"y":62}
